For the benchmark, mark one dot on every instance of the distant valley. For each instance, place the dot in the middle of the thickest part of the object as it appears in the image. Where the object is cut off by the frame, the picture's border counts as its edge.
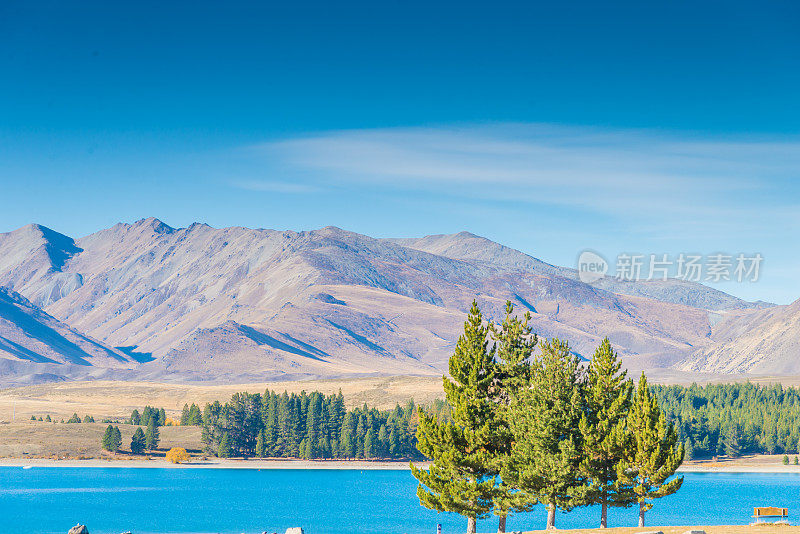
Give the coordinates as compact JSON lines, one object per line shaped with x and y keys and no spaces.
{"x":146,"y":301}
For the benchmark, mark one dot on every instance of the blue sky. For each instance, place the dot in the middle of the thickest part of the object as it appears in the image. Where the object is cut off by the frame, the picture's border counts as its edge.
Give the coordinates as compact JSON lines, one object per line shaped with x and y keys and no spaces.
{"x":644,"y":127}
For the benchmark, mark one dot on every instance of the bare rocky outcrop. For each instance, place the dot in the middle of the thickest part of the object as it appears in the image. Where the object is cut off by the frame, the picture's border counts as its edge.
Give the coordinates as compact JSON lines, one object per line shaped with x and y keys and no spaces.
{"x":79,"y":529}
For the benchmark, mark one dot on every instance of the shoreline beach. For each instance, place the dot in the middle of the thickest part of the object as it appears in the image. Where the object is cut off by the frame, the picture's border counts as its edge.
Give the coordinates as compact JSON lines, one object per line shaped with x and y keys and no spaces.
{"x":743,"y":465}
{"x":213,"y":463}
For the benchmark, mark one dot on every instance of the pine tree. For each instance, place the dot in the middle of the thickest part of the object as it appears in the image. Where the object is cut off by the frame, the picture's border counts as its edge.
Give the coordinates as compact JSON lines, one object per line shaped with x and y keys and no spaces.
{"x":653,"y":453}
{"x":607,"y":400}
{"x":369,"y":444}
{"x":147,"y":414}
{"x":152,"y":435}
{"x":544,"y":421}
{"x":107,"y":441}
{"x":48,"y":418}
{"x":732,"y":445}
{"x":361,"y":432}
{"x":224,"y":447}
{"x":116,"y":439}
{"x":347,"y":440}
{"x":383,"y":442}
{"x":185,"y":415}
{"x":138,"y":441}
{"x":514,"y":342}
{"x":195,"y":416}
{"x":135,"y":417}
{"x":689,"y":449}
{"x":261,"y":445}
{"x":461,"y":477}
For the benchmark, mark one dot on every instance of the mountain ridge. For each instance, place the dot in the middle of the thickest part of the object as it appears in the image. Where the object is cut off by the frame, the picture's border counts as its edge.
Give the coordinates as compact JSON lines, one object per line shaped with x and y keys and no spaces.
{"x":259,"y":303}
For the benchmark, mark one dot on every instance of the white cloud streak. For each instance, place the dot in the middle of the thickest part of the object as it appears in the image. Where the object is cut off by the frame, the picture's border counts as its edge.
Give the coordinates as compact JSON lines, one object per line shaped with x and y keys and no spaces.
{"x":276,"y":187}
{"x":694,"y":178}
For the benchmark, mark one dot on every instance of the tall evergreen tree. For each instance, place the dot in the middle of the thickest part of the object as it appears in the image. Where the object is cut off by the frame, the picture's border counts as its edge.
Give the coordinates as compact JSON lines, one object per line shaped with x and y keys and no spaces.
{"x":138,"y":441}
{"x":732,"y":442}
{"x":224,"y":447}
{"x":107,"y":441}
{"x":369,"y":444}
{"x":116,"y":439}
{"x":347,"y":440}
{"x":514,"y":343}
{"x":383,"y":441}
{"x":688,"y":449}
{"x":152,"y":436}
{"x":653,"y":453}
{"x":461,"y":476}
{"x":545,"y":421}
{"x":185,"y":415}
{"x":607,"y":401}
{"x":147,"y":415}
{"x":261,"y":445}
{"x":195,"y":416}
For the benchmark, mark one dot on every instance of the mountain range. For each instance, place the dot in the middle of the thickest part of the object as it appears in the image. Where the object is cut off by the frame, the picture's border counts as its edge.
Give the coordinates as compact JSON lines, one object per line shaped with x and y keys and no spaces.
{"x":148,"y":301}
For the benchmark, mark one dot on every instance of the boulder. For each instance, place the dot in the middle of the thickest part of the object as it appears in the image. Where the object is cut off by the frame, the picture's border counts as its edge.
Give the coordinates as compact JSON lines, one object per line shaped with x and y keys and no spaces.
{"x":79,"y":529}
{"x":294,"y":530}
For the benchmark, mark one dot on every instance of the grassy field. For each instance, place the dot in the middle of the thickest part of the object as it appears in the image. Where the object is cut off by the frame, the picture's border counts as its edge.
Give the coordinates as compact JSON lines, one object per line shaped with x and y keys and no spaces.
{"x":22,"y":438}
{"x":118,"y":399}
{"x":29,"y":439}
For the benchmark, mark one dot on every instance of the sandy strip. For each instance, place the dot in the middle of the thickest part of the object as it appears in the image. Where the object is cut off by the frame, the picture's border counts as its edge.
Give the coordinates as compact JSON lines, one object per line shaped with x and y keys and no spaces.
{"x":215,"y":463}
{"x":788,"y":469}
{"x":224,"y":463}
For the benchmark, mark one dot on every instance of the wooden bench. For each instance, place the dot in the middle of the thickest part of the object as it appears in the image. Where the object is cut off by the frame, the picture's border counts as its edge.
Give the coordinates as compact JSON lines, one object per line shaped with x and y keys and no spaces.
{"x":762,"y":513}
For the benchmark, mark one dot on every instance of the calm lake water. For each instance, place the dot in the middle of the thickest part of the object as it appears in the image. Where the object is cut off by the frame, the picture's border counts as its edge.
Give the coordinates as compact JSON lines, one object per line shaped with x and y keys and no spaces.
{"x":45,"y":500}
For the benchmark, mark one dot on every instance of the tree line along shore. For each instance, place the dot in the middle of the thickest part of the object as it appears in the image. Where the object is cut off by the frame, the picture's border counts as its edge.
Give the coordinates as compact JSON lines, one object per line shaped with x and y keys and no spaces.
{"x":714,"y":420}
{"x":518,"y":427}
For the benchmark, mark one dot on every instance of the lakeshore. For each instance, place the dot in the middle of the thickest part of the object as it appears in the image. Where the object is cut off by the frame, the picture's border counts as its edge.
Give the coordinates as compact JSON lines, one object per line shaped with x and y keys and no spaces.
{"x":211,"y":463}
{"x":770,"y":464}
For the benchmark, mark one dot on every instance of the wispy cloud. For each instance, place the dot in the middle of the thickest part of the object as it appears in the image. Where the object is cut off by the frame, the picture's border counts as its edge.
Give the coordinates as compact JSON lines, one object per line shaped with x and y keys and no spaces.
{"x":276,"y":187}
{"x":582,"y":168}
{"x":552,"y":190}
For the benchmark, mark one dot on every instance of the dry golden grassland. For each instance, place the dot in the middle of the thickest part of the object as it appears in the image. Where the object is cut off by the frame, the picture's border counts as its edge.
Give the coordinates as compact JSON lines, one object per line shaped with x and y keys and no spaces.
{"x":29,"y":439}
{"x":118,"y":399}
{"x":23,"y":438}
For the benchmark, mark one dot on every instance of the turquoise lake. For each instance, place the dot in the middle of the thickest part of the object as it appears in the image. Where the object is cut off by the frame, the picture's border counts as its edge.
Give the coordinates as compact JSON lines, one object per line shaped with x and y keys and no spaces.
{"x":45,"y":500}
